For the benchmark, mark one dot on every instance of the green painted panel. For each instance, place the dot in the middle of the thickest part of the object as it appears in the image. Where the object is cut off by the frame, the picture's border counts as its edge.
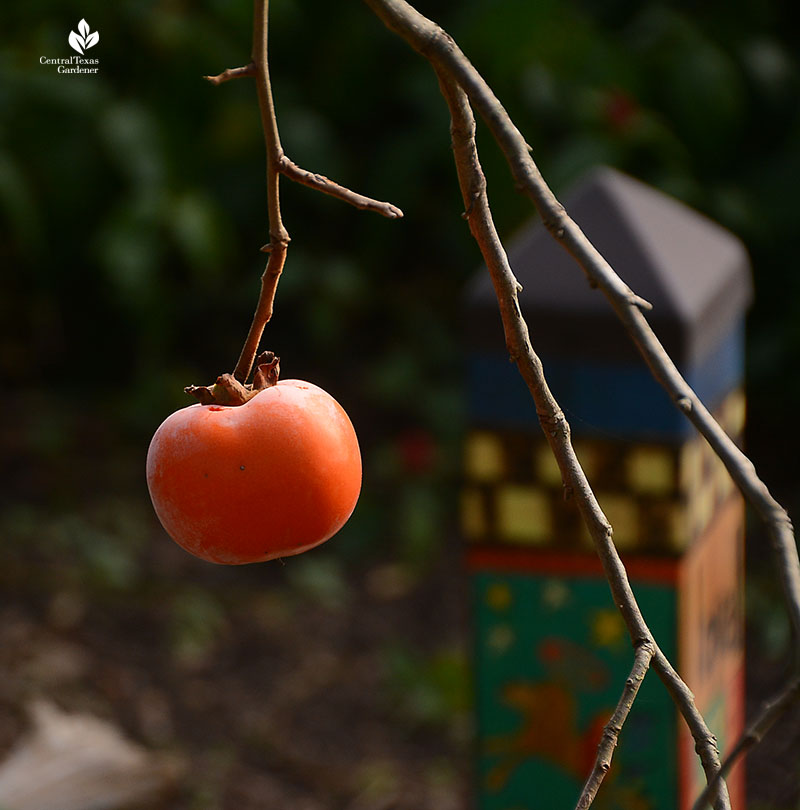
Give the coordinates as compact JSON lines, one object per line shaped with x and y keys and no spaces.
{"x":552,"y":658}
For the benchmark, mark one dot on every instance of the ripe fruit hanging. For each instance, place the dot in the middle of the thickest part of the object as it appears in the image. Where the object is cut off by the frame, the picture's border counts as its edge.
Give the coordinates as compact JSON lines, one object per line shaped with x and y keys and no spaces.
{"x":272,"y":477}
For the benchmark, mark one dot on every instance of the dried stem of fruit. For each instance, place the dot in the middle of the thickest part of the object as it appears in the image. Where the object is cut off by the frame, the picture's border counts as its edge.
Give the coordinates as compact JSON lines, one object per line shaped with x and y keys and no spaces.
{"x":278,"y":235}
{"x":277,"y":164}
{"x":227,"y":390}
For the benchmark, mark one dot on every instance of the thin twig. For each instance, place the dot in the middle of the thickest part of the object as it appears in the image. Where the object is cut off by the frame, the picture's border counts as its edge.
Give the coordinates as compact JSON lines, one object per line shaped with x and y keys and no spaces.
{"x":289,"y":169}
{"x":611,"y":731}
{"x":705,"y":743}
{"x":321,"y":183}
{"x":556,"y":429}
{"x":769,"y":714}
{"x":232,"y":73}
{"x":441,"y":50}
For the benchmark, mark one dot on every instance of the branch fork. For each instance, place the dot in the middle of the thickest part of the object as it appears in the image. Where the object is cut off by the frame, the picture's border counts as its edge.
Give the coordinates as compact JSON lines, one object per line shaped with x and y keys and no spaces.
{"x":231,"y":388}
{"x":463,"y":87}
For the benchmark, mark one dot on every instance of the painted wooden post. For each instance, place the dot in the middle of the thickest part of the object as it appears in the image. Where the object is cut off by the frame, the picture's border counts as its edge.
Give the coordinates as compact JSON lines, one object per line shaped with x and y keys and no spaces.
{"x":552,"y":653}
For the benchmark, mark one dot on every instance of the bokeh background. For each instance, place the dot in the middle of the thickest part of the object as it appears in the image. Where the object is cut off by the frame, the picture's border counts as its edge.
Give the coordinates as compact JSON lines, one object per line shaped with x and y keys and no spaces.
{"x":132,"y":207}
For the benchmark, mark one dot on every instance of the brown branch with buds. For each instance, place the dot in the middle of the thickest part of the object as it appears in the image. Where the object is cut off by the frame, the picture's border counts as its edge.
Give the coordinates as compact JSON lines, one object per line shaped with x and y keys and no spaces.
{"x":557,"y":432}
{"x":454,"y":69}
{"x":770,"y":713}
{"x":602,"y":764}
{"x":441,"y":50}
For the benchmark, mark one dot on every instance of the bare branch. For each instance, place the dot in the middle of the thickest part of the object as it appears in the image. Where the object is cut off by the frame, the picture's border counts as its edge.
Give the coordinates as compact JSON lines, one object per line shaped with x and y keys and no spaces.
{"x":277,"y":164}
{"x":602,"y":764}
{"x":439,"y":48}
{"x":430,"y":40}
{"x":556,"y":429}
{"x":321,"y":183}
{"x":642,"y":303}
{"x":705,"y":743}
{"x":278,"y":235}
{"x":232,"y":73}
{"x":769,"y":714}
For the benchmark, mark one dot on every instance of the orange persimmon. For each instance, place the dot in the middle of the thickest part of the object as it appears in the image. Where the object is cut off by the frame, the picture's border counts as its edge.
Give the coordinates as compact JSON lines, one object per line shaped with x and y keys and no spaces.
{"x":273,"y":477}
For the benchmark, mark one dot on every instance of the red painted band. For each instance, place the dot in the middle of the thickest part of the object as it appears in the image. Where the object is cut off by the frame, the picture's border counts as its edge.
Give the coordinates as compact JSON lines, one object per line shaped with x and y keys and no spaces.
{"x":548,"y":562}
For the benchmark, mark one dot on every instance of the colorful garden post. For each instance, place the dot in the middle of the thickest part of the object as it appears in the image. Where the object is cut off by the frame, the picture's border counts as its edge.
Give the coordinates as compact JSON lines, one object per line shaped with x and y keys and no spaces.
{"x":552,"y":653}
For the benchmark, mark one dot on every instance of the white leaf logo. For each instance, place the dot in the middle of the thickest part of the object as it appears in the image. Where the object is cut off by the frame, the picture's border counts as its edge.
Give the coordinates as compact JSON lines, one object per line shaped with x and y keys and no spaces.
{"x":77,"y":42}
{"x":84,"y":39}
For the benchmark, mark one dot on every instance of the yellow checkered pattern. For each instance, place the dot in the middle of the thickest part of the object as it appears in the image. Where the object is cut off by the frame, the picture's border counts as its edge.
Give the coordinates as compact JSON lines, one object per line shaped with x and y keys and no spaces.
{"x":658,"y":497}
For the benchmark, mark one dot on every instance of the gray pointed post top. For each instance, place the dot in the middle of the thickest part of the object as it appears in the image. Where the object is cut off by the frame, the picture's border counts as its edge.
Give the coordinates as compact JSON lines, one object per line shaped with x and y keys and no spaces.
{"x":694,"y":272}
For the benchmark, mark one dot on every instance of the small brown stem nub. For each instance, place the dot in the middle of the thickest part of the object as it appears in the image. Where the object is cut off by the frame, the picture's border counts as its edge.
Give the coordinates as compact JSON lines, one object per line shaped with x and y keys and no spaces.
{"x":268,"y":369}
{"x":232,"y":73}
{"x":227,"y":390}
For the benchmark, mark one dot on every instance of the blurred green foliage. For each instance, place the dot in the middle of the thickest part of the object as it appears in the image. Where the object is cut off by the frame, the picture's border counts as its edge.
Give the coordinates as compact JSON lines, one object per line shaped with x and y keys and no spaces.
{"x":133,"y":202}
{"x":98,"y":547}
{"x":197,"y":620}
{"x":321,"y":580}
{"x":432,"y":691}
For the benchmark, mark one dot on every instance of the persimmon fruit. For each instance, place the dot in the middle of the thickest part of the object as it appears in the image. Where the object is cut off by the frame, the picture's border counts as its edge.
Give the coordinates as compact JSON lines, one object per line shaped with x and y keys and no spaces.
{"x":272,"y":477}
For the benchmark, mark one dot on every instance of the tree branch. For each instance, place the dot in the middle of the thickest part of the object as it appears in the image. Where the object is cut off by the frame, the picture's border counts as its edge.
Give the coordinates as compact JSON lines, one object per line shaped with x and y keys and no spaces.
{"x":705,"y":743}
{"x":602,"y":764}
{"x":443,"y":53}
{"x":769,"y":714}
{"x":321,"y":183}
{"x":441,"y":50}
{"x":478,"y":214}
{"x":278,"y":235}
{"x":278,"y":164}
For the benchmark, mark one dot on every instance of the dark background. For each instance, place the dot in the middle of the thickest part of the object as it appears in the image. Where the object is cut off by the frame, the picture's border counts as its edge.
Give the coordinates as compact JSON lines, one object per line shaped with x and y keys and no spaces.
{"x":132,"y":207}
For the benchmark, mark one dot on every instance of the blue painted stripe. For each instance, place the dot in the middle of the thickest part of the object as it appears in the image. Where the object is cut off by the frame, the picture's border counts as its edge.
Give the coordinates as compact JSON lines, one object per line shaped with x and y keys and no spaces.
{"x":602,"y":400}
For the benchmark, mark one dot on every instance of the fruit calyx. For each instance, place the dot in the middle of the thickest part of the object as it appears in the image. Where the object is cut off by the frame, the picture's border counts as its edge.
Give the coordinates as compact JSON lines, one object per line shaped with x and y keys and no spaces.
{"x":227,"y":390}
